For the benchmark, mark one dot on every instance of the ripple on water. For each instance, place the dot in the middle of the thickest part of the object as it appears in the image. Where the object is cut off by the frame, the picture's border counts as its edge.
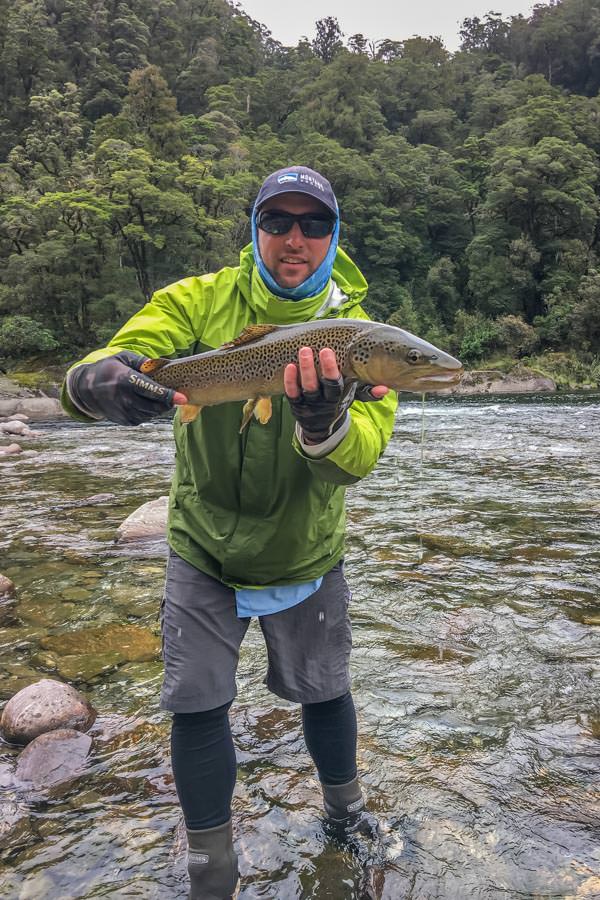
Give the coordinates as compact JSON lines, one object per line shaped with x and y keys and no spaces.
{"x":475,"y":666}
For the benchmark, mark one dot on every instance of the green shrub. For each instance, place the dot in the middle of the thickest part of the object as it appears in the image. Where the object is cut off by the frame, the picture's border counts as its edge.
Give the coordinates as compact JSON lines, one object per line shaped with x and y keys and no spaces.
{"x":515,"y":336}
{"x":476,"y":336}
{"x":20,"y":335}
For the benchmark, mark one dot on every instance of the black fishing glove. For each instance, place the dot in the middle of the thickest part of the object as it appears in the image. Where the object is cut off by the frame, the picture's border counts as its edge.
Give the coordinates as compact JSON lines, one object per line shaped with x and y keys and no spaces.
{"x":114,"y":389}
{"x":322,"y":412}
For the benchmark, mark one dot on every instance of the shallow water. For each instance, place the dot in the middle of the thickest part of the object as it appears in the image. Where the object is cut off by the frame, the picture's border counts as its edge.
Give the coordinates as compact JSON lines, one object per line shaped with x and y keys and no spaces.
{"x":476,"y":615}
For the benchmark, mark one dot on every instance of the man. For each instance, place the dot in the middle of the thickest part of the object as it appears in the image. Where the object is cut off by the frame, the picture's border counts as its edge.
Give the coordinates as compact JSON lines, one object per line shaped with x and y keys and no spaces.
{"x":256,"y":521}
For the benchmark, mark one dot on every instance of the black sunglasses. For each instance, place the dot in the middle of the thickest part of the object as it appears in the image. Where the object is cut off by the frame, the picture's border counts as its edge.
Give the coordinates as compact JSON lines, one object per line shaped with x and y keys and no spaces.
{"x":312,"y":225}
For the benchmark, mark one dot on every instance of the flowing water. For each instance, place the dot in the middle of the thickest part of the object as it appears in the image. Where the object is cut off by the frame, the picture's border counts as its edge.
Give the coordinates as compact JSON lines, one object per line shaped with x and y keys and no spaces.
{"x":476,"y":614}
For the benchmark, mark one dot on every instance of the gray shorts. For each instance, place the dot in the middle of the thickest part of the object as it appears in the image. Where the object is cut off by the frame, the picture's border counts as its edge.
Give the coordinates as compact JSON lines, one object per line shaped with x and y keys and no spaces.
{"x":308,"y":646}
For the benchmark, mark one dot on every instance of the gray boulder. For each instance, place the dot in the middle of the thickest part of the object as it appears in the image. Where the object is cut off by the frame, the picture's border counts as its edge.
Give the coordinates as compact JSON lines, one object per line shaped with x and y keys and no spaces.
{"x":53,"y":757}
{"x":15,"y":426}
{"x":33,"y":407}
{"x":147,"y":522}
{"x":43,"y":707}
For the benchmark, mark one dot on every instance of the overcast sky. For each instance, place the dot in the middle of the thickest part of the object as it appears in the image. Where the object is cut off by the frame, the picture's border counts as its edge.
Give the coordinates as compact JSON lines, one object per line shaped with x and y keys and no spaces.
{"x":377,"y":19}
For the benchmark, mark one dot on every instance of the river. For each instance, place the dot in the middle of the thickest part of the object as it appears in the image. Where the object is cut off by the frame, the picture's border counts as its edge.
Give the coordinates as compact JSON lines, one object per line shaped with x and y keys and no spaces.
{"x":474,"y":562}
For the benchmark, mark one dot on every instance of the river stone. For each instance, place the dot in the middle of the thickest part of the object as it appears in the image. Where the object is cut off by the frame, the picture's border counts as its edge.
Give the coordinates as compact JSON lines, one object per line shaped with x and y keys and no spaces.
{"x":16,"y":417}
{"x":53,"y":757}
{"x":42,"y":707}
{"x":15,"y":426}
{"x":11,"y":450}
{"x":83,"y":654}
{"x":94,"y":500}
{"x":33,"y":407}
{"x":7,"y":587}
{"x":148,"y":521}
{"x":14,"y":823}
{"x":14,"y":676}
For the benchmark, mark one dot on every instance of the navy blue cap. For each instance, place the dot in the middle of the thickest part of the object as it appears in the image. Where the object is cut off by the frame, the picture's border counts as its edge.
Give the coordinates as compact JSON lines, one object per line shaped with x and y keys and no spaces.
{"x":298,"y":180}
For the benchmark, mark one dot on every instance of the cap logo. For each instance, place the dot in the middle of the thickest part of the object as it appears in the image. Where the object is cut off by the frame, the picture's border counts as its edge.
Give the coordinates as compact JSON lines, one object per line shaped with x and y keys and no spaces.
{"x":287,"y":176}
{"x":314,"y":182}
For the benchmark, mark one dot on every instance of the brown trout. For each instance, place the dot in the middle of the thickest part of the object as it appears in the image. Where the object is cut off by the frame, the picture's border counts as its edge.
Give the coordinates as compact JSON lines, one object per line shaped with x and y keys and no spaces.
{"x":251,"y":366}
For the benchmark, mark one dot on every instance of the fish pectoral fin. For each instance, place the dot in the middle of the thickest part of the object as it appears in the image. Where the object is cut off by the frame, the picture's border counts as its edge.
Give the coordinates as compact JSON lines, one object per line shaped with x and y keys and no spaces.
{"x":152,"y":366}
{"x":247,"y":411}
{"x":263,"y":410}
{"x":188,"y":412}
{"x":249,"y":334}
{"x":260,"y":407}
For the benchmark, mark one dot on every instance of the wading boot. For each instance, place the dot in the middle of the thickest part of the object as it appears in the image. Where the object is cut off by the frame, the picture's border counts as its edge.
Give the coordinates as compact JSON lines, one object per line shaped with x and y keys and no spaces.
{"x":355,"y":829}
{"x":212,"y":864}
{"x":348,"y":822}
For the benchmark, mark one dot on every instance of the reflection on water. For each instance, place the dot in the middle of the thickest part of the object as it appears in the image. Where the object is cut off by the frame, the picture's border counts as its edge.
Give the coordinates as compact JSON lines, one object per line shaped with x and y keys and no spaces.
{"x":476,"y":611}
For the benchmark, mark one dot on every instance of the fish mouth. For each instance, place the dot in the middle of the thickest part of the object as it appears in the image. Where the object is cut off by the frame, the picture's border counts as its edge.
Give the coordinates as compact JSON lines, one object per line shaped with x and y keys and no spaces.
{"x":436,"y":380}
{"x":449,"y":377}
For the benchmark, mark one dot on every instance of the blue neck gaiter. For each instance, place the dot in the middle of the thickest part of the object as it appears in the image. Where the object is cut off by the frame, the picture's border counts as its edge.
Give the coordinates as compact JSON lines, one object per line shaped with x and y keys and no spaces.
{"x":312,"y":285}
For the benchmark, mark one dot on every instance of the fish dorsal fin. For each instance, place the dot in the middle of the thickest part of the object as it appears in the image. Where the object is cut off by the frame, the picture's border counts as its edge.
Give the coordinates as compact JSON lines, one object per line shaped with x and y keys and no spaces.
{"x":151,"y":366}
{"x":249,"y":334}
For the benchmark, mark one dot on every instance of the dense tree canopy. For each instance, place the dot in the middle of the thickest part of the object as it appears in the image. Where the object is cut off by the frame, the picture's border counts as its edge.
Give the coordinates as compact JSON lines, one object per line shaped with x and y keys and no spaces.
{"x":135,"y":133}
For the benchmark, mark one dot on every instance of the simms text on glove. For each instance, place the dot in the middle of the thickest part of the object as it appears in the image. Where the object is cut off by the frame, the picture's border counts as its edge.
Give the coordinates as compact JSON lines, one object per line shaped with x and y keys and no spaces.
{"x":113,"y":388}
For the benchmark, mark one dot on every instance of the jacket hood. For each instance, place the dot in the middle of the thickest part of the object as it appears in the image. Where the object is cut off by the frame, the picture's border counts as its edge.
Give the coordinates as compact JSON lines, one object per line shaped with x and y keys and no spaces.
{"x":271,"y":308}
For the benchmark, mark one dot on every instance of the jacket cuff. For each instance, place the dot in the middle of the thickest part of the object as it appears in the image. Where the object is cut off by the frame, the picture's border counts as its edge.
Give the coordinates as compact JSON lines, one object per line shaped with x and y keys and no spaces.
{"x":318,"y":451}
{"x":75,"y":402}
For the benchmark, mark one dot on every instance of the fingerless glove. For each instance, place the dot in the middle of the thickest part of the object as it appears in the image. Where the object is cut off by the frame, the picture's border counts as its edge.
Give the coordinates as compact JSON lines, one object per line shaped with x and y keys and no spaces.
{"x":114,"y":388}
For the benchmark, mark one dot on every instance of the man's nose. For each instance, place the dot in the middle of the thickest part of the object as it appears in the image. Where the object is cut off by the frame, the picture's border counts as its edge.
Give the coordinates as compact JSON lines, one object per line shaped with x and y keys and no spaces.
{"x":294,"y":237}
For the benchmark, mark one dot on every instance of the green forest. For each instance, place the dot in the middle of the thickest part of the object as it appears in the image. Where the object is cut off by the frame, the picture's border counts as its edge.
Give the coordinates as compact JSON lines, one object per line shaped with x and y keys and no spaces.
{"x":134,"y":135}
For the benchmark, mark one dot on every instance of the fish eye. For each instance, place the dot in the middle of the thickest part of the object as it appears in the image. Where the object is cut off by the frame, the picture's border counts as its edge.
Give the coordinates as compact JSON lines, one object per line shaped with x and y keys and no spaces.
{"x":413,"y":355}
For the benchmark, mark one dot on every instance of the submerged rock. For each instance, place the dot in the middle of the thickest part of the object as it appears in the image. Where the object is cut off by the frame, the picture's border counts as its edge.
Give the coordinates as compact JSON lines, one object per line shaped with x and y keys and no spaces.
{"x":148,"y":521}
{"x":53,"y":757}
{"x":43,"y":707}
{"x":94,"y":500}
{"x":7,"y":587}
{"x":10,"y":450}
{"x":14,"y":823}
{"x":16,"y":675}
{"x":84,"y":654}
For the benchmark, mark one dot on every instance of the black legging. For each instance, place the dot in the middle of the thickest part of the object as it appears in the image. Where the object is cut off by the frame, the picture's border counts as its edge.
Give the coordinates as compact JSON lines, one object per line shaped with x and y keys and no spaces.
{"x":204,"y":765}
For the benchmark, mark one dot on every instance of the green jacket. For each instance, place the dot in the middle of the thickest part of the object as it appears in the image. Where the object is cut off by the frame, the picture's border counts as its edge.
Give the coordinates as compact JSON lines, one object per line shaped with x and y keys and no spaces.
{"x":252,"y":509}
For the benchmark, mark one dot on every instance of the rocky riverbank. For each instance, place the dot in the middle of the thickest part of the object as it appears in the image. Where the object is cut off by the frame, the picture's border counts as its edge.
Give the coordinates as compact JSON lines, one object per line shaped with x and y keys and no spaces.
{"x":477,"y":382}
{"x":35,"y":404}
